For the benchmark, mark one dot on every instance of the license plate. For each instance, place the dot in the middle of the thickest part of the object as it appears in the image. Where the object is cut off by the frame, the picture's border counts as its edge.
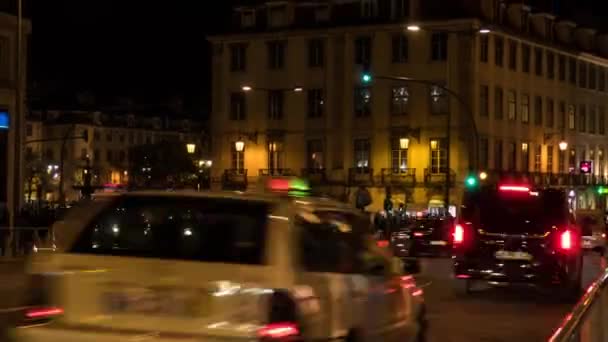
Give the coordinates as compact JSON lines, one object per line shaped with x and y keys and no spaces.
{"x":507,"y":255}
{"x":439,"y":243}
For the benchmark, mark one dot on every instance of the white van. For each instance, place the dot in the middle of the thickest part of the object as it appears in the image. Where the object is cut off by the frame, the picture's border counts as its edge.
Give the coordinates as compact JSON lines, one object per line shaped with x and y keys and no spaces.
{"x":164,"y":266}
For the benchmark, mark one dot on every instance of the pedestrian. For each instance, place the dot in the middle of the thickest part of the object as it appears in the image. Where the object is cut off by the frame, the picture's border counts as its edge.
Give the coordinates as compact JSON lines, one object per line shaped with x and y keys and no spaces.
{"x":362,"y":198}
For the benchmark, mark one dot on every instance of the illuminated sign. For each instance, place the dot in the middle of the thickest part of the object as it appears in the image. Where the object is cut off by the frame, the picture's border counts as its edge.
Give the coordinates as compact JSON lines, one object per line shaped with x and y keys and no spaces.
{"x":4,"y":119}
{"x":586,"y":166}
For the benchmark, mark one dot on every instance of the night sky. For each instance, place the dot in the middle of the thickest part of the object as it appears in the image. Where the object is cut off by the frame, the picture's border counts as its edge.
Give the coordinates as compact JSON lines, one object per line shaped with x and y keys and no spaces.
{"x":147,"y":50}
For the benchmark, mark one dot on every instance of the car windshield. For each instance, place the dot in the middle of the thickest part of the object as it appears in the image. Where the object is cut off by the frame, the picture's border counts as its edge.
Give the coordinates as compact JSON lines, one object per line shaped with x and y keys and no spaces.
{"x":515,"y":213}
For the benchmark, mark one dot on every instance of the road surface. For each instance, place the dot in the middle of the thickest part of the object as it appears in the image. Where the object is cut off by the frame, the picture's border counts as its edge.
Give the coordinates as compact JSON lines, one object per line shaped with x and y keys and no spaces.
{"x":491,"y":315}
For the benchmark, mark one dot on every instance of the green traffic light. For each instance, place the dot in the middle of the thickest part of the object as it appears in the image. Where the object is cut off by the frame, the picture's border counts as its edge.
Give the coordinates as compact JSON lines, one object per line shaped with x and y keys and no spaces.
{"x":602,"y":190}
{"x":366,"y":78}
{"x":471,"y":181}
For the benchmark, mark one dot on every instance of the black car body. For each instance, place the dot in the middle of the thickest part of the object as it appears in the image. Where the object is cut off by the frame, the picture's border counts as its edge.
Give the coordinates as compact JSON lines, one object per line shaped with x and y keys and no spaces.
{"x":429,"y":235}
{"x":511,"y":235}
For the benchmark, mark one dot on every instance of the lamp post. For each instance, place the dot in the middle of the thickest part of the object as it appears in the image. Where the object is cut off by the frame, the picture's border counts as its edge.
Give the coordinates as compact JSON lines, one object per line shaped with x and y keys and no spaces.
{"x":239,"y":146}
{"x":191,"y":148}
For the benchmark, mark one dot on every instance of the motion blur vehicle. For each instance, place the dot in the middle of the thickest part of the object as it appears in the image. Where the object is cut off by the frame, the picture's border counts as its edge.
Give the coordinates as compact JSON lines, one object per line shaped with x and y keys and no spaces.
{"x":219,"y":267}
{"x":512,"y":235}
{"x":593,"y":228}
{"x":427,"y":235}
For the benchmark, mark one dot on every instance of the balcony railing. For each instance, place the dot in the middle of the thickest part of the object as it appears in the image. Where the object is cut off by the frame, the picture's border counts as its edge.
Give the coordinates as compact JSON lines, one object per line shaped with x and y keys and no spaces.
{"x":315,"y":175}
{"x":546,"y":179}
{"x":276,"y":172}
{"x":438,"y":177}
{"x":398,"y":176}
{"x":360,"y":176}
{"x":234,"y":179}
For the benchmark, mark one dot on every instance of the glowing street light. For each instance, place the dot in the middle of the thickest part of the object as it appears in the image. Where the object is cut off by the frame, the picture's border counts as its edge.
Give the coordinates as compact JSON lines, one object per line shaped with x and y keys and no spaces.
{"x":483,"y":175}
{"x":413,"y":28}
{"x":239,"y":146}
{"x":246,"y":88}
{"x":404,"y":143}
{"x":563,"y":145}
{"x":298,"y":89}
{"x":191,"y":148}
{"x":484,"y":30}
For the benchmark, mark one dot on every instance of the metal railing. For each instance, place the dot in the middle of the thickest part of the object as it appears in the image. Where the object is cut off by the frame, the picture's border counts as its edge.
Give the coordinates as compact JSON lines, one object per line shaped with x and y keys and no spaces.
{"x":587,"y":321}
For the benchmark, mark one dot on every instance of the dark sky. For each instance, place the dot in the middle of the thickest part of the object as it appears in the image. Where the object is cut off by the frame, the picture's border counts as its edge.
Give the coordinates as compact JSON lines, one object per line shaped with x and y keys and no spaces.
{"x":147,"y":49}
{"x":125,"y":47}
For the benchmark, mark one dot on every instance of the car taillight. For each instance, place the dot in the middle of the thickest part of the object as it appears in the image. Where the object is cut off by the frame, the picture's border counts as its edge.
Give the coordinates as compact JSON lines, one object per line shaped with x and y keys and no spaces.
{"x":284,"y":331}
{"x":565,"y":240}
{"x":458,"y":234}
{"x":382,"y":243}
{"x":42,"y":313}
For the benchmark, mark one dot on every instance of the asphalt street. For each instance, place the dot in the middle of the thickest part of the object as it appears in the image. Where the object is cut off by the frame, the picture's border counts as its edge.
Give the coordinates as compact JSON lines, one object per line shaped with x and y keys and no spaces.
{"x":492,"y":314}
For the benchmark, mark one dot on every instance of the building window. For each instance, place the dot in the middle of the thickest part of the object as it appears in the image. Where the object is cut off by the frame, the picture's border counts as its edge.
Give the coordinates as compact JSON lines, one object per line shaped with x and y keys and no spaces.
{"x":512,"y":156}
{"x":398,"y":156}
{"x":602,"y":79}
{"x":561,"y":67}
{"x":316,"y":156}
{"x":600,"y":162}
{"x":248,"y":18}
{"x":525,"y":58}
{"x":84,"y":154}
{"x":571,"y":118}
{"x":538,"y":148}
{"x":401,"y":9}
{"x":592,"y":118}
{"x":109,"y":136}
{"x":316,"y":53}
{"x":275,"y":105}
{"x":276,"y":55}
{"x":29,"y":130}
{"x":572,"y":70}
{"x":572,"y":160}
{"x":121,"y":138}
{"x":562,"y":115}
{"x":438,"y":156}
{"x":277,"y":16}
{"x":498,"y":103}
{"x":525,"y":108}
{"x":363,"y":50}
{"x":362,"y":155}
{"x":538,"y":110}
{"x":561,"y":165}
{"x":525,"y":157}
{"x":131,"y":138}
{"x":499,"y":48}
{"x":538,"y":61}
{"x":238,"y":108}
{"x":439,"y":46}
{"x":315,"y":103}
{"x":363,"y":99}
{"x":122,"y":156}
{"x":582,"y":118}
{"x":512,"y":55}
{"x":602,"y":120}
{"x":238,"y":57}
{"x":109,"y":156}
{"x":322,"y":13}
{"x":550,"y":159}
{"x":368,"y":8}
{"x":498,"y":154}
{"x":512,"y":105}
{"x":439,"y":100}
{"x":582,"y":75}
{"x":275,"y":156}
{"x":50,"y":155}
{"x":237,"y":159}
{"x":592,"y":77}
{"x":550,"y":65}
{"x":96,"y":156}
{"x":96,"y":135}
{"x":484,"y":153}
{"x":483,"y":48}
{"x":400,"y":48}
{"x":550,"y":121}
{"x":400,"y":99}
{"x":484,"y":109}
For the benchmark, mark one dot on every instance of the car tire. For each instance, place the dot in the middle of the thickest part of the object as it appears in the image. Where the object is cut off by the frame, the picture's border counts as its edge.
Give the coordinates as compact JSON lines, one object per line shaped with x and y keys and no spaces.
{"x":462,"y":287}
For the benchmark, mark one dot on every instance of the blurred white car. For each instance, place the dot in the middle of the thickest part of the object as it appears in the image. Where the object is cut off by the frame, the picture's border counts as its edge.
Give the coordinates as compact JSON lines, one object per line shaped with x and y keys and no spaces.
{"x":164,"y":266}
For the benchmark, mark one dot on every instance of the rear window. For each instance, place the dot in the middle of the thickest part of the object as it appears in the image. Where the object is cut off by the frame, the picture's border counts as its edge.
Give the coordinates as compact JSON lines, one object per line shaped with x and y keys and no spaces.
{"x":515,"y":213}
{"x":199,"y":229}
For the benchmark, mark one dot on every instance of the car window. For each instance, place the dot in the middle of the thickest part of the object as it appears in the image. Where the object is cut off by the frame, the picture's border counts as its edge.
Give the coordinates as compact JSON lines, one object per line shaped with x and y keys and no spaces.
{"x":202,"y":229}
{"x":331,"y":241}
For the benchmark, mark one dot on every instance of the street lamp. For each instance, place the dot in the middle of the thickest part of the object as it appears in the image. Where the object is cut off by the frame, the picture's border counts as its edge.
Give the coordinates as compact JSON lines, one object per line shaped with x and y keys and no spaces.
{"x":563,"y":145}
{"x":404,"y":143}
{"x":191,"y":148}
{"x":413,"y":28}
{"x":298,"y":89}
{"x":239,"y":146}
{"x":246,"y":88}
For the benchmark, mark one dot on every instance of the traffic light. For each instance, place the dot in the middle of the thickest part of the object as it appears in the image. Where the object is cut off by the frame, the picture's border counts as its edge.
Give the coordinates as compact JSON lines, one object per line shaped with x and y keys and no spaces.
{"x":602,"y":190}
{"x":471,"y":181}
{"x":366,"y":77}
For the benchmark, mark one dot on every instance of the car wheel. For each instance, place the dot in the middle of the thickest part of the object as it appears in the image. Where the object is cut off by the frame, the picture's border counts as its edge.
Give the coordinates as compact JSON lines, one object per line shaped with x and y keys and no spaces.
{"x":462,"y":287}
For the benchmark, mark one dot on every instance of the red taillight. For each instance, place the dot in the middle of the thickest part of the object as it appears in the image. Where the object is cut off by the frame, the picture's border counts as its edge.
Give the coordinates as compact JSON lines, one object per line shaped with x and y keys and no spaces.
{"x":516,"y":188}
{"x":418,"y":234}
{"x":278,"y":331}
{"x":382,"y":243}
{"x":565,"y":240}
{"x":458,"y":234}
{"x":43,"y":312}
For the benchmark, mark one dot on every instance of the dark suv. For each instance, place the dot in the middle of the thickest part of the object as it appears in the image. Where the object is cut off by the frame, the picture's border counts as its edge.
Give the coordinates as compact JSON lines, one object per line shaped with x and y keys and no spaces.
{"x":512,"y":235}
{"x":428,"y":235}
